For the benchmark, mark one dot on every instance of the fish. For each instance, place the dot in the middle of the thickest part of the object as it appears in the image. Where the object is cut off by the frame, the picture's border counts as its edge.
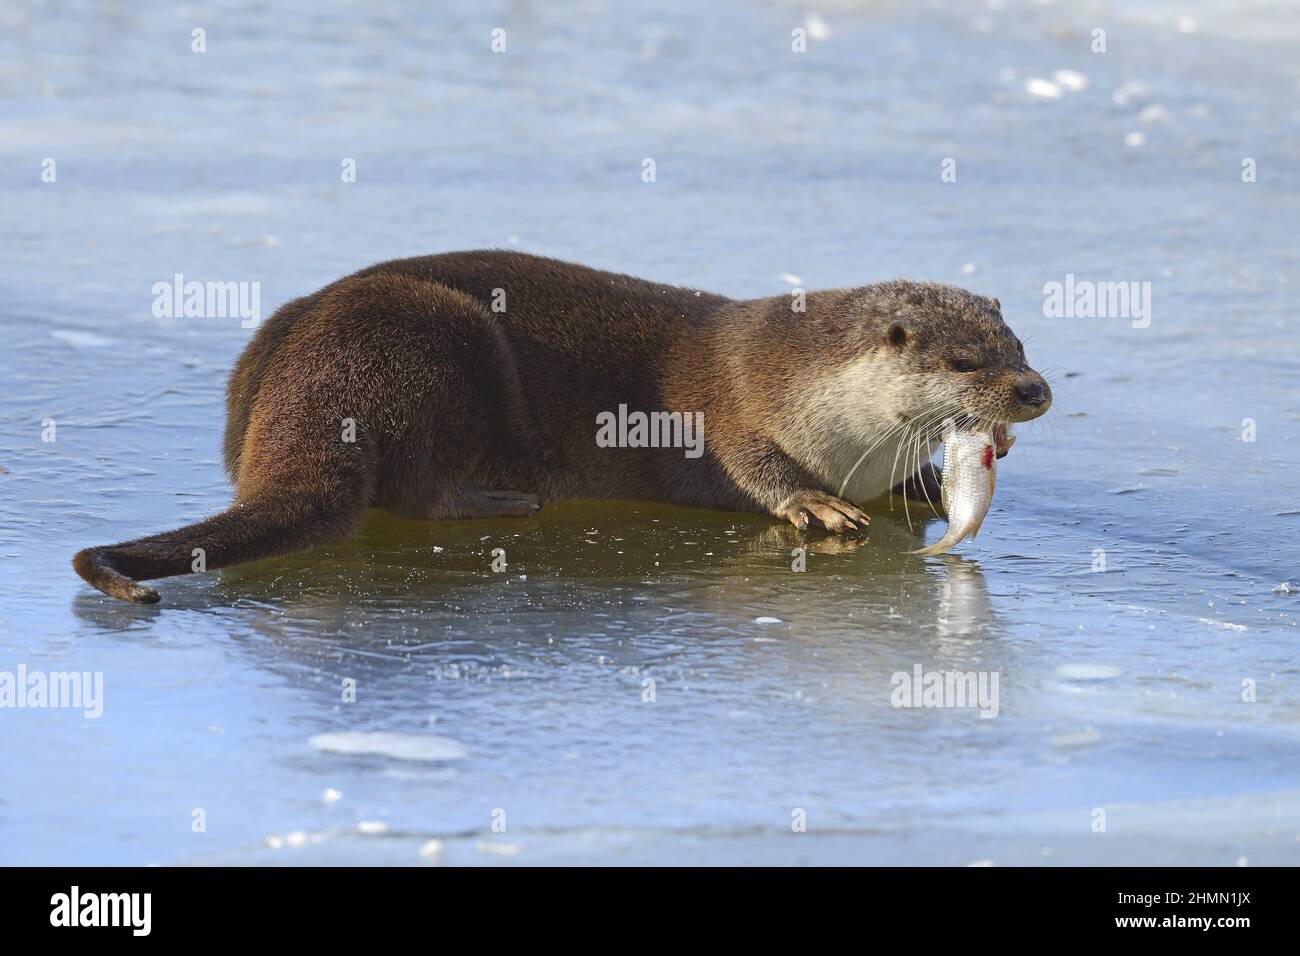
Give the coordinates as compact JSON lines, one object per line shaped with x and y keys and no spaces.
{"x":969,"y":474}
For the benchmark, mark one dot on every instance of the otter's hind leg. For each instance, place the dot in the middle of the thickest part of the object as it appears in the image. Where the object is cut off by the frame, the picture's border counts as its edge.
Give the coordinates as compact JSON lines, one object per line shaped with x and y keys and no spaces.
{"x":468,"y":501}
{"x":439,"y":388}
{"x":494,"y":502}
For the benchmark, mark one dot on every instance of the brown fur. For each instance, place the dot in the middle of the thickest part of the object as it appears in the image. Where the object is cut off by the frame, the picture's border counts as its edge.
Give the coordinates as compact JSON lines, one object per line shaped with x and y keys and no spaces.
{"x":461,"y":411}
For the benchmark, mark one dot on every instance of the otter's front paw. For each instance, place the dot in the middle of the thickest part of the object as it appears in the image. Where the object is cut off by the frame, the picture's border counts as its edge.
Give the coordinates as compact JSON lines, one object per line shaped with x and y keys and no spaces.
{"x":818,"y":509}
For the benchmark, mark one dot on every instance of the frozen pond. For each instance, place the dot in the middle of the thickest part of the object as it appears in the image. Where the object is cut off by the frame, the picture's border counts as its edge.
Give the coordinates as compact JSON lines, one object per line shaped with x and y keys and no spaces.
{"x":519,"y":698}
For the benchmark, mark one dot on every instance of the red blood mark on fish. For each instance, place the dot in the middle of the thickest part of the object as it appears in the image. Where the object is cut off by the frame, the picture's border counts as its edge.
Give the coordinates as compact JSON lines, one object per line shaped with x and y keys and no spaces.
{"x":987,"y":461}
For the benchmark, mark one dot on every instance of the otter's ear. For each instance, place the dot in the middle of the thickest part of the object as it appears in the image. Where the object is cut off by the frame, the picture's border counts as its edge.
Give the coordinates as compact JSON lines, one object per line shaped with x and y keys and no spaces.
{"x":896,"y":335}
{"x":997,"y":305}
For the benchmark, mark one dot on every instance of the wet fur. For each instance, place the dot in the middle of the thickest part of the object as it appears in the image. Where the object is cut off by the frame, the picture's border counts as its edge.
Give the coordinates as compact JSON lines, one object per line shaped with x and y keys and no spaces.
{"x":460,"y":411}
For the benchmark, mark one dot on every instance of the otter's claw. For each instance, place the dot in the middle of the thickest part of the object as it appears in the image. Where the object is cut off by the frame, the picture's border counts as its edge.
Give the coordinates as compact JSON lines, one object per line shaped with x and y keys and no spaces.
{"x":806,"y":509}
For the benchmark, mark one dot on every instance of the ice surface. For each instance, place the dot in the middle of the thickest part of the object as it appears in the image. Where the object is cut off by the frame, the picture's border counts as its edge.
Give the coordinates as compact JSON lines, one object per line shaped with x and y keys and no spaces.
{"x":1176,"y":663}
{"x":388,"y":744}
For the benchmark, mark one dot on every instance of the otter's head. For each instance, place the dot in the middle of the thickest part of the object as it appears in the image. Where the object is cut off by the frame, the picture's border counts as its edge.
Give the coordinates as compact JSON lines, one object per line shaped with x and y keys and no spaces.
{"x":954,"y":351}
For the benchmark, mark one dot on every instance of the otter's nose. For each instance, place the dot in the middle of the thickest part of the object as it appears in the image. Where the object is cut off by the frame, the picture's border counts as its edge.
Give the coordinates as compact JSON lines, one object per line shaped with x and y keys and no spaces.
{"x":1030,"y":391}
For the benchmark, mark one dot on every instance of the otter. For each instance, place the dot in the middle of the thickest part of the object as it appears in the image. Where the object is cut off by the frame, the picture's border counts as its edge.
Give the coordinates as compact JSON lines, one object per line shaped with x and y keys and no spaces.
{"x":470,"y":384}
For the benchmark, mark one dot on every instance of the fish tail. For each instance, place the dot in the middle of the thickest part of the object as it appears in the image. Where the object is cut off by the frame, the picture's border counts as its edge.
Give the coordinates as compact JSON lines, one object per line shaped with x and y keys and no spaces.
{"x":939,"y":547}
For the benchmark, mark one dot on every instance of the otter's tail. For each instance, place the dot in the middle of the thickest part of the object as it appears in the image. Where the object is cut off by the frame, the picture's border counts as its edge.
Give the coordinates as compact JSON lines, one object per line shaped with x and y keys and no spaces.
{"x":246,"y":531}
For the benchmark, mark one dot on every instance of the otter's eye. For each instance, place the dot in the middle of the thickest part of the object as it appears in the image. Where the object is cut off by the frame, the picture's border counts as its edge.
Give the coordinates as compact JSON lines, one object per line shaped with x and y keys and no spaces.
{"x":964,"y":365}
